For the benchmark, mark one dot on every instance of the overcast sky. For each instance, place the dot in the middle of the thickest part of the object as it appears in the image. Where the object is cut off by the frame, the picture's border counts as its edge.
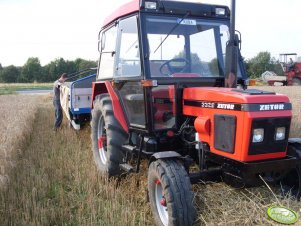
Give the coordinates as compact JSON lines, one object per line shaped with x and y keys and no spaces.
{"x":49,"y":29}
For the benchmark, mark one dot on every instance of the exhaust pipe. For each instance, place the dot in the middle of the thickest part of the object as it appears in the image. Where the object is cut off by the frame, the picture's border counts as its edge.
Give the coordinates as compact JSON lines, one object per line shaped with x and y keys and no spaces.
{"x":232,"y":53}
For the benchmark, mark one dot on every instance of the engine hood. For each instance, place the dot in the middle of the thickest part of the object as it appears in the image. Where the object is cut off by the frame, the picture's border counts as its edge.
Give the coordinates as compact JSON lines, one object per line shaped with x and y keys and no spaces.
{"x":231,"y":95}
{"x":235,"y":99}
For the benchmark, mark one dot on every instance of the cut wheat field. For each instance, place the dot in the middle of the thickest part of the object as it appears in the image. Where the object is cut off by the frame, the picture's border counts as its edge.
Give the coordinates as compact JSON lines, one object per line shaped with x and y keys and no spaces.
{"x":50,"y":178}
{"x":17,"y":116}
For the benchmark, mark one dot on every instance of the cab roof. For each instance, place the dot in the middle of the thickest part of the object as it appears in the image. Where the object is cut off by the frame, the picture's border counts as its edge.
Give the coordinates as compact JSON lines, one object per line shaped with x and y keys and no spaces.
{"x":168,"y":7}
{"x":124,"y":10}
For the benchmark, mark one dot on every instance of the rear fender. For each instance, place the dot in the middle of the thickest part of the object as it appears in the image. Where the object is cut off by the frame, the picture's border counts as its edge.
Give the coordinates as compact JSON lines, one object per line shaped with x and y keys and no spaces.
{"x":97,"y":89}
{"x":106,"y":87}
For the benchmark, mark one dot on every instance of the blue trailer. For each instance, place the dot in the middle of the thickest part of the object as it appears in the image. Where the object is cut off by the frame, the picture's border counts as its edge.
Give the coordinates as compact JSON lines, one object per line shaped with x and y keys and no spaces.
{"x":76,"y":100}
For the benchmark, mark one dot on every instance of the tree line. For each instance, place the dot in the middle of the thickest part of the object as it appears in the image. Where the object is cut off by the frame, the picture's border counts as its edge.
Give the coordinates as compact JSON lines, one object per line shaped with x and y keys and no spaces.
{"x":32,"y":71}
{"x":263,"y":62}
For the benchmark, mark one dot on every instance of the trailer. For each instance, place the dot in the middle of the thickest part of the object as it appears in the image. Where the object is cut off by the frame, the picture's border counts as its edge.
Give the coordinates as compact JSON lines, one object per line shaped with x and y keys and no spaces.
{"x":76,"y":99}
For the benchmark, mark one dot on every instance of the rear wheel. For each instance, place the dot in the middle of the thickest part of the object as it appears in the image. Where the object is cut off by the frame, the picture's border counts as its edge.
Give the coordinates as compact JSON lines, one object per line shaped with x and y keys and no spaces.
{"x":296,"y":82}
{"x":291,"y":183}
{"x":170,"y":193}
{"x":107,"y":137}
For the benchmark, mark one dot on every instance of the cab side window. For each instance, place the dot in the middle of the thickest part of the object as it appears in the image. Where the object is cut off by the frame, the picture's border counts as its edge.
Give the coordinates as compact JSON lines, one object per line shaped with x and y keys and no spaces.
{"x":107,"y":45}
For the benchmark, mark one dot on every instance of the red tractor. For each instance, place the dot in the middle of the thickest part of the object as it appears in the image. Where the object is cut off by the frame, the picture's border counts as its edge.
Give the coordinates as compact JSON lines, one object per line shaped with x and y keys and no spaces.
{"x":166,"y":91}
{"x":291,"y":68}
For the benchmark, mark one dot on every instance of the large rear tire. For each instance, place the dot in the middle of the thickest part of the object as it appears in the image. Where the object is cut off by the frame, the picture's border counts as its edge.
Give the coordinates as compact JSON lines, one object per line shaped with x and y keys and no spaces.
{"x":291,"y":183}
{"x":107,"y":137}
{"x":296,"y":82}
{"x":170,"y":193}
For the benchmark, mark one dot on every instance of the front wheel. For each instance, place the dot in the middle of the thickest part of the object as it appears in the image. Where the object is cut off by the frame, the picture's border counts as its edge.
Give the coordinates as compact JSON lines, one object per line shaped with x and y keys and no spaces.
{"x":291,"y":183}
{"x":170,"y":193}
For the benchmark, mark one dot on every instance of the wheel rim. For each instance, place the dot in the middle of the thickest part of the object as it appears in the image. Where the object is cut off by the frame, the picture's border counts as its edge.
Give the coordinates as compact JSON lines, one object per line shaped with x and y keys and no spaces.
{"x":102,"y":144}
{"x":161,"y":203}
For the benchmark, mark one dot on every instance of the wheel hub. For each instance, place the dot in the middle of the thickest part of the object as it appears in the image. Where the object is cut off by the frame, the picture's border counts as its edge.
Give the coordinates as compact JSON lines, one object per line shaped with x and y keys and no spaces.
{"x":102,"y":139}
{"x":163,"y":201}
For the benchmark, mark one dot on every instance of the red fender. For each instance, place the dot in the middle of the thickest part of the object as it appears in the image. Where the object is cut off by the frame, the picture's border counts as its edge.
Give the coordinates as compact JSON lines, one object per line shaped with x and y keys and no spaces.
{"x":106,"y":87}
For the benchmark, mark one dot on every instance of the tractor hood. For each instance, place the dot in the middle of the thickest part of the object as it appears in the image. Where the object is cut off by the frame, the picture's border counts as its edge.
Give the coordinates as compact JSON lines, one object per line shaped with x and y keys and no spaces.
{"x":227,"y":120}
{"x":234,"y":99}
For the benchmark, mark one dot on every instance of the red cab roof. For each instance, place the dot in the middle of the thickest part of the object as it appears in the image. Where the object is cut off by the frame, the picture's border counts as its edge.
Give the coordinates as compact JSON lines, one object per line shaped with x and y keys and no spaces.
{"x":124,"y":10}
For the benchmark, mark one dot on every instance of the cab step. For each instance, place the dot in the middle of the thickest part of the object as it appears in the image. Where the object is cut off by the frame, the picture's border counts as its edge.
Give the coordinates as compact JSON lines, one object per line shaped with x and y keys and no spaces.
{"x":133,"y":149}
{"x":126,"y":167}
{"x":129,"y":148}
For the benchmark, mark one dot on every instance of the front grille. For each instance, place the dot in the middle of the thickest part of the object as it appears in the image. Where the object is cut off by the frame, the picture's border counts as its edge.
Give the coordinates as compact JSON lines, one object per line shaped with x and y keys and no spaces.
{"x":269,"y":144}
{"x":224,"y":132}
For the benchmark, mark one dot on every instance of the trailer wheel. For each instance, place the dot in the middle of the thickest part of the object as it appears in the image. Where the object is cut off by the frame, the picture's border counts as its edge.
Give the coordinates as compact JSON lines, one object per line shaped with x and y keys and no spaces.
{"x":291,"y":183}
{"x":170,"y":193}
{"x":107,"y":137}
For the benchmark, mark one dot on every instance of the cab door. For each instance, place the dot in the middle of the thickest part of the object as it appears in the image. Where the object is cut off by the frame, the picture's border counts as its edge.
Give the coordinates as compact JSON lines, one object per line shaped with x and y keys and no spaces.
{"x":128,"y":72}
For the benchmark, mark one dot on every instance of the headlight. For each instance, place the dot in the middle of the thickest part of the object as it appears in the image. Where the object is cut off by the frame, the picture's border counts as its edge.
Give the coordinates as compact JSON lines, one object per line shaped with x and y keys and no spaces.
{"x":220,"y":11}
{"x":280,"y":133}
{"x":258,"y":135}
{"x":150,"y":5}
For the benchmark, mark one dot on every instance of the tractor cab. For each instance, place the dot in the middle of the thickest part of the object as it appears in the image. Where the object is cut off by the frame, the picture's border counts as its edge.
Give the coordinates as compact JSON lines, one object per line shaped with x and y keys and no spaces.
{"x":291,"y":68}
{"x":151,"y":50}
{"x":287,"y":61}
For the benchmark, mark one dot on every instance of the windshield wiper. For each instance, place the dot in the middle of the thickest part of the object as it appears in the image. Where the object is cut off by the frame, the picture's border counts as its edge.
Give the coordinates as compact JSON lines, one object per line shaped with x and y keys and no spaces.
{"x":173,"y":28}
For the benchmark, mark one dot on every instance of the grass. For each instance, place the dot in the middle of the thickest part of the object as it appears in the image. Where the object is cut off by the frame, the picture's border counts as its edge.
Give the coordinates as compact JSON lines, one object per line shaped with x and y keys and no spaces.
{"x":11,"y":88}
{"x":7,"y":91}
{"x":54,"y":181}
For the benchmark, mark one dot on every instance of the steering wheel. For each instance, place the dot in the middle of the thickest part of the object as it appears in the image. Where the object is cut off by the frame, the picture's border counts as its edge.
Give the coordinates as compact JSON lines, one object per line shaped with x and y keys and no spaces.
{"x":176,"y":65}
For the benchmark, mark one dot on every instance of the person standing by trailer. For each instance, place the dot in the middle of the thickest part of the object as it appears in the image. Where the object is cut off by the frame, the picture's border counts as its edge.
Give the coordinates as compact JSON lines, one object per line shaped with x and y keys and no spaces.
{"x":57,"y":101}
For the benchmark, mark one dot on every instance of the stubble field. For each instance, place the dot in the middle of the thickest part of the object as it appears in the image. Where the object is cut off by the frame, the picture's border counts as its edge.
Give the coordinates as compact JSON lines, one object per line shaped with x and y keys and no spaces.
{"x":50,"y":178}
{"x":17,"y":116}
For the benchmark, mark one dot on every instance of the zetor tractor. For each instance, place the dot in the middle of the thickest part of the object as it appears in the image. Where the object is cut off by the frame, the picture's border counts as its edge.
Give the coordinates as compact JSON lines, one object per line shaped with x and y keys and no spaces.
{"x":166,"y":91}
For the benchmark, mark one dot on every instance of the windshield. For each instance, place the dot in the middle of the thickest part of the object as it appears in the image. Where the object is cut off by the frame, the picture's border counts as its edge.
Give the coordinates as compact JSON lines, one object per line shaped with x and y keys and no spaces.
{"x":186,"y":47}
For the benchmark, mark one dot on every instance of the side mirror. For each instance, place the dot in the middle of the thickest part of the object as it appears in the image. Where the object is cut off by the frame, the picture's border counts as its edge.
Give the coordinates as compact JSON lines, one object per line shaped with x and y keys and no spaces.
{"x":103,"y":41}
{"x":100,"y":41}
{"x":238,"y":39}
